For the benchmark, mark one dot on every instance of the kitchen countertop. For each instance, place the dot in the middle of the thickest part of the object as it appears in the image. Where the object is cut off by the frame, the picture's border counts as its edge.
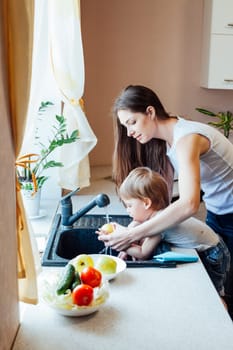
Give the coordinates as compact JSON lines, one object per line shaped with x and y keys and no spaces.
{"x":148,"y":308}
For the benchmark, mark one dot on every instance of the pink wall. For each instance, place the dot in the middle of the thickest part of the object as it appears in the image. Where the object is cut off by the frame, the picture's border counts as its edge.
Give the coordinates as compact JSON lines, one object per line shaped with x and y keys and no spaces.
{"x":156,"y":43}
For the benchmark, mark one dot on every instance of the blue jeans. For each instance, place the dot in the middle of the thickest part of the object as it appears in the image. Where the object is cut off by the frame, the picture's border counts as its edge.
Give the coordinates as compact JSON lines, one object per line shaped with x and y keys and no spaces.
{"x":223,"y":225}
{"x":217,"y":263}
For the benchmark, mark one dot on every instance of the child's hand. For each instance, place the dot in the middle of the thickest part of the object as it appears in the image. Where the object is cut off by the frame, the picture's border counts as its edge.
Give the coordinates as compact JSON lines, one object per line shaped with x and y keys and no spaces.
{"x":123,"y":255}
{"x":118,"y":239}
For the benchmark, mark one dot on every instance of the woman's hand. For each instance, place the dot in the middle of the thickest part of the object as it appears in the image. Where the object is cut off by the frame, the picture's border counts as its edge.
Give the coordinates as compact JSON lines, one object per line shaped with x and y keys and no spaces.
{"x":118,"y":239}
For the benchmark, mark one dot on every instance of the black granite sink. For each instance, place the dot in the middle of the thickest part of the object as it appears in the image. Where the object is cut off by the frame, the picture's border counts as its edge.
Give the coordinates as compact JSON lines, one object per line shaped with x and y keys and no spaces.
{"x":65,"y":244}
{"x":74,"y":242}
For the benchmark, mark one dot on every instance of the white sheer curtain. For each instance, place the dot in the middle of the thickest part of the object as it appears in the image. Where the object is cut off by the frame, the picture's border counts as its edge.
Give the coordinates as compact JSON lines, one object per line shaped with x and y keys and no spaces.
{"x":68,"y":66}
{"x":40,"y":73}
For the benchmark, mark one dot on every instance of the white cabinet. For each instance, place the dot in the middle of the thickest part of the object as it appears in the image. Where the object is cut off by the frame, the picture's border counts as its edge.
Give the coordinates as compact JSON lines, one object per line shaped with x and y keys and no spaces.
{"x":217,"y":47}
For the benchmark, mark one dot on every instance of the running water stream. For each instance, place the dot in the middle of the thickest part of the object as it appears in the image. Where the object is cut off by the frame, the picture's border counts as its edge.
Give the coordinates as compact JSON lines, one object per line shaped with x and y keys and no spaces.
{"x":106,"y":250}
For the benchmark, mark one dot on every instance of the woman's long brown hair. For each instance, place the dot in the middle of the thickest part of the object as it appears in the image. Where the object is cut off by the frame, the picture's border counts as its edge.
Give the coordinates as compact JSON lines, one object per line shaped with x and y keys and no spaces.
{"x":129,"y":153}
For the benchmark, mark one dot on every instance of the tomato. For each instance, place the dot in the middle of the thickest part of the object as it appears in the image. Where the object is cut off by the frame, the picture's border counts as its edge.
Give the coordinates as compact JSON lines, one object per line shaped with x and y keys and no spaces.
{"x":83,"y":295}
{"x":91,"y":276}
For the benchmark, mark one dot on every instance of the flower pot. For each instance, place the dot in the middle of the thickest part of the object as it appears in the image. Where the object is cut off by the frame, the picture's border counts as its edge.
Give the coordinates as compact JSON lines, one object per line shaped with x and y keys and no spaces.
{"x":31,"y":202}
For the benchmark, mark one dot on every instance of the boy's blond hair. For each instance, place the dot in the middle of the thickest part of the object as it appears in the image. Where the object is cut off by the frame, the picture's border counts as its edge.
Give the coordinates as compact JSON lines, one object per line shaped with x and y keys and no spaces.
{"x":141,"y":183}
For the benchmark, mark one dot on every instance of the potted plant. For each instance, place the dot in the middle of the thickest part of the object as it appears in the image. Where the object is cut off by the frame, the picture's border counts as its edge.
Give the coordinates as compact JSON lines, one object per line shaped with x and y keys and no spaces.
{"x":224,"y":123}
{"x":30,"y":167}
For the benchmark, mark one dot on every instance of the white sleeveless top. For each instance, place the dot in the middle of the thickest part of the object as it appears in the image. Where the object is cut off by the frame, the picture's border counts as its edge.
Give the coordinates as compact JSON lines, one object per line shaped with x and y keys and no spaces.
{"x":216,"y":165}
{"x":191,"y":233}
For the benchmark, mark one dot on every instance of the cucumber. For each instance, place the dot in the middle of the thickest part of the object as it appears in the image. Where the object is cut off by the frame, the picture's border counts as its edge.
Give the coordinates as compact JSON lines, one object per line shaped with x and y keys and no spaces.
{"x":66,"y":279}
{"x":76,"y":281}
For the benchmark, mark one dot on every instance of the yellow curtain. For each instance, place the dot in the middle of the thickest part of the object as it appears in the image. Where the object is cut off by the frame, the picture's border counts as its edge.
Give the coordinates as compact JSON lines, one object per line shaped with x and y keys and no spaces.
{"x":19,"y":18}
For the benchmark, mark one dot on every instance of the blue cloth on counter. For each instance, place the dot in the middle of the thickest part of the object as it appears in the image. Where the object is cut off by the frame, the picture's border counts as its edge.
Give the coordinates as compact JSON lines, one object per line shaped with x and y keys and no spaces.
{"x":174,"y":256}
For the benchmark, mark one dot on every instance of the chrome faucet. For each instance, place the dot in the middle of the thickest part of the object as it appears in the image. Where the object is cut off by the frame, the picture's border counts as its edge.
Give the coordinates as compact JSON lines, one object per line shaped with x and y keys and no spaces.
{"x":67,"y":216}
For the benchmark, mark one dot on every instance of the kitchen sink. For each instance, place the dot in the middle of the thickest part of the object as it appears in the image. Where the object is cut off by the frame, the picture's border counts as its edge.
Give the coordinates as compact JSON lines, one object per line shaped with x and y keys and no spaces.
{"x":66,"y":243}
{"x":77,"y":241}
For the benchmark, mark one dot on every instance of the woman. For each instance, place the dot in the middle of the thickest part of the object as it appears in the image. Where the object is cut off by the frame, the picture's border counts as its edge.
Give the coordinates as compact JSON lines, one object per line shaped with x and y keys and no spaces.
{"x":146,"y":135}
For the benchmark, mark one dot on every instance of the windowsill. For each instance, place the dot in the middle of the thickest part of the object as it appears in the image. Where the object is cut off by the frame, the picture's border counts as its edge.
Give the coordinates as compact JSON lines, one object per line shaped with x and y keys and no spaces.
{"x":41,"y":225}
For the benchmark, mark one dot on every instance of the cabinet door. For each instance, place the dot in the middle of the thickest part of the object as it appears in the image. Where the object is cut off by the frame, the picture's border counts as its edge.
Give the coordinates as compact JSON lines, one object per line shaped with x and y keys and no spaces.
{"x":222,"y":16}
{"x":220,"y":75}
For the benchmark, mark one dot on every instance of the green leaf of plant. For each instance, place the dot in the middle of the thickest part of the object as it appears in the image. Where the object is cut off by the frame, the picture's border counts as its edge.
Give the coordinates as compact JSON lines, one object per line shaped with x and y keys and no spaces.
{"x":59,"y":138}
{"x":60,"y":118}
{"x":52,"y":164}
{"x":41,"y":180}
{"x":225,"y":122}
{"x":74,"y":134}
{"x":45,"y":105}
{"x":205,"y":111}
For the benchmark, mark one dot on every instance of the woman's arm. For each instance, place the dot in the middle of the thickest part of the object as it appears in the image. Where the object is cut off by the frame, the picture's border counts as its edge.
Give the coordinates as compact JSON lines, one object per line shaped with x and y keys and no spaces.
{"x":188,"y":151}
